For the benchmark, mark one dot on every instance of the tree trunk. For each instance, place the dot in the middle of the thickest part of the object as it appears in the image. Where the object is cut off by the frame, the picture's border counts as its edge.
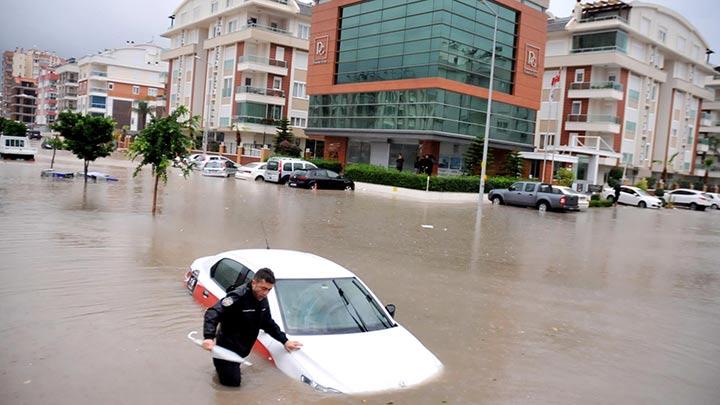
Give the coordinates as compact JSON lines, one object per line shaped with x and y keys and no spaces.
{"x":155,"y":189}
{"x":86,"y":164}
{"x":52,"y":162}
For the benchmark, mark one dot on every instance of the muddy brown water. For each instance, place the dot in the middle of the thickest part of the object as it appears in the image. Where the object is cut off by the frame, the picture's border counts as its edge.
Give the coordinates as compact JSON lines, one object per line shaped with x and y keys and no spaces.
{"x":607,"y":306}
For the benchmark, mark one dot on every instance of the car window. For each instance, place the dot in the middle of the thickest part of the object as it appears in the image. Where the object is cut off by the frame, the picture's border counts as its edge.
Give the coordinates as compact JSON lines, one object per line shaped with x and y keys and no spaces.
{"x":262,"y":167}
{"x":297,"y":166}
{"x":516,"y":186}
{"x":310,"y":166}
{"x":214,"y":158}
{"x":212,"y":165}
{"x":299,"y":172}
{"x":272,"y":165}
{"x":319,"y":173}
{"x":287,"y":167}
{"x":530,"y":187}
{"x":332,"y":174}
{"x":328,"y":306}
{"x":229,"y":274}
{"x":627,"y":190}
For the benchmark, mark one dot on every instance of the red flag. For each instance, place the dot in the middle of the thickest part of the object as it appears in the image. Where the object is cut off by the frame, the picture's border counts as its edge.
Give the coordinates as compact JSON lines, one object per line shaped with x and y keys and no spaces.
{"x":555,"y":80}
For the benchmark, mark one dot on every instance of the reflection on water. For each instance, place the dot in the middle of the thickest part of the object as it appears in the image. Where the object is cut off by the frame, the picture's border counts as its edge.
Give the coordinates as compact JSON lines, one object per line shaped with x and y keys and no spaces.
{"x":612,"y":305}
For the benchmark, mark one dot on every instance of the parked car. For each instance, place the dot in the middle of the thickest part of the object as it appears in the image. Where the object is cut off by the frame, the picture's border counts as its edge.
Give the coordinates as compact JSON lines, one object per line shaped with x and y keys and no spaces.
{"x":279,"y":169}
{"x":583,"y":199}
{"x":634,"y":196}
{"x":34,"y":134}
{"x":219,"y":168}
{"x":685,"y":197}
{"x":340,"y":322}
{"x":252,"y":171}
{"x":320,"y":179}
{"x":532,"y":194}
{"x":715,"y":202}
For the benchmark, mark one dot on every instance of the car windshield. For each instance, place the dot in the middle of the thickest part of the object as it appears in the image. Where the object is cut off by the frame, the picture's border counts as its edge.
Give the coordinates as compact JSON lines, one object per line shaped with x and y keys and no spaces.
{"x":328,"y":306}
{"x":272,"y":165}
{"x":213,"y":164}
{"x":641,"y":192}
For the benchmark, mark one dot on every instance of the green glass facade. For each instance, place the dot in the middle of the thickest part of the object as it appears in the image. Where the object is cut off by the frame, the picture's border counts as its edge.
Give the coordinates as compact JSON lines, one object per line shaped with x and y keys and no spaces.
{"x":406,"y":39}
{"x":600,"y":41}
{"x":422,"y":110}
{"x":257,"y":113}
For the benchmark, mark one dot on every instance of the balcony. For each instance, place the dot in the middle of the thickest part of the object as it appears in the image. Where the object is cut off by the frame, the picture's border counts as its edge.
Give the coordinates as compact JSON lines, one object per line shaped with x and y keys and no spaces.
{"x":711,"y":105}
{"x":589,"y":145}
{"x":710,"y":126}
{"x":100,"y":90}
{"x":259,"y":95}
{"x":703,"y":145}
{"x":593,"y":123}
{"x":261,"y":34}
{"x":597,"y":90}
{"x":259,"y":64}
{"x":255,"y":124}
{"x":97,"y":75}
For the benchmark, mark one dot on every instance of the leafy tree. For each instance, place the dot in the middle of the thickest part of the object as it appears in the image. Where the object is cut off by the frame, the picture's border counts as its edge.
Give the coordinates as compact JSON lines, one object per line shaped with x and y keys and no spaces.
{"x":284,"y":145}
{"x":14,"y":128}
{"x":163,"y":140}
{"x":707,"y":164}
{"x":2,"y":124}
{"x":87,"y":136}
{"x":565,"y":177}
{"x":474,"y":155}
{"x":642,"y":184}
{"x":665,"y":165}
{"x":57,"y":143}
{"x":615,"y":176}
{"x":143,"y":109}
{"x":513,"y":164}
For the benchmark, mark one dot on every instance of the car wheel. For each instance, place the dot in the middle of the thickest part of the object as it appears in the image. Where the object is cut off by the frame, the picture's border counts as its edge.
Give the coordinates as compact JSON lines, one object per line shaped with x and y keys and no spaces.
{"x":496,"y":200}
{"x":542,"y":206}
{"x":642,"y":204}
{"x":259,"y":178}
{"x":714,"y":206}
{"x":611,"y":199}
{"x":693,"y":206}
{"x":313,"y":186}
{"x":348,"y":187}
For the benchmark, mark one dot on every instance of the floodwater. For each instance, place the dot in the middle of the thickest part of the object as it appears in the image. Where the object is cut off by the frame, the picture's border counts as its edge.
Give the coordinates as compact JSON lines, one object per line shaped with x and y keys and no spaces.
{"x":615,"y":305}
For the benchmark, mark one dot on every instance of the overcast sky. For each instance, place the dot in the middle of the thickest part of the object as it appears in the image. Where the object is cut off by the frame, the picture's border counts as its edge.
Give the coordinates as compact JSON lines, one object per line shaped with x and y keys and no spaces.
{"x":79,"y":27}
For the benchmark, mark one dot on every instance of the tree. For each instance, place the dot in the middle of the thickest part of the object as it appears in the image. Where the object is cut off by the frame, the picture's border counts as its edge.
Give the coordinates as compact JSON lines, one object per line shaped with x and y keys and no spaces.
{"x":56,"y":144}
{"x":565,"y":177}
{"x":284,"y":144}
{"x":163,"y":140}
{"x":473,"y":156}
{"x":665,"y":165}
{"x":615,"y":176}
{"x":14,"y":128}
{"x":143,"y":109}
{"x":2,"y":124}
{"x":707,"y":164}
{"x":87,"y":136}
{"x":513,"y":164}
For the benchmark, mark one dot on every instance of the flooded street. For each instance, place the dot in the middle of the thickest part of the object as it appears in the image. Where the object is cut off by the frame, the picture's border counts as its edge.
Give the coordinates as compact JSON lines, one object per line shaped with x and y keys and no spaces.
{"x":607,"y":306}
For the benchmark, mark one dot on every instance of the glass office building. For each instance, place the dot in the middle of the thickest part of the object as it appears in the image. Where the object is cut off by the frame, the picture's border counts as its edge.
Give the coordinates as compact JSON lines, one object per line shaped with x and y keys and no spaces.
{"x":411,"y":77}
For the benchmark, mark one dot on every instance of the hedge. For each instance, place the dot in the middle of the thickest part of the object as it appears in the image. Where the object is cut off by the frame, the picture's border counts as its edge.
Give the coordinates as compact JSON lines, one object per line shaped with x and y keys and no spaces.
{"x":600,"y":203}
{"x":390,"y":177}
{"x":333,"y":165}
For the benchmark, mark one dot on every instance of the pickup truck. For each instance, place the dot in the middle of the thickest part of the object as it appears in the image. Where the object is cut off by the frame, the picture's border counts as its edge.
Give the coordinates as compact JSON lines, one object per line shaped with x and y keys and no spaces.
{"x":532,"y":194}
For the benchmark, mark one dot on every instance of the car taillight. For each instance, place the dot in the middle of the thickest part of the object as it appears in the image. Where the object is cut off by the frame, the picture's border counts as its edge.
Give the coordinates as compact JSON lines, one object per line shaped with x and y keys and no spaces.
{"x":562,"y":200}
{"x":302,"y":177}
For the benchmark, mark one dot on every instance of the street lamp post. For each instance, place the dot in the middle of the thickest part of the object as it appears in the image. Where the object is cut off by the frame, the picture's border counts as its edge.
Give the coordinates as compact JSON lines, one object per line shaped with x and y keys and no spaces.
{"x":483,"y":169}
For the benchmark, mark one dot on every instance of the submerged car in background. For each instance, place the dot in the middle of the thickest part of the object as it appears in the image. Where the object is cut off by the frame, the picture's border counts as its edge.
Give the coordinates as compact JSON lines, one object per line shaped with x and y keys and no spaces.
{"x":252,"y":171}
{"x":320,"y":179}
{"x":634,"y":196}
{"x":219,"y":168}
{"x":351,"y":342}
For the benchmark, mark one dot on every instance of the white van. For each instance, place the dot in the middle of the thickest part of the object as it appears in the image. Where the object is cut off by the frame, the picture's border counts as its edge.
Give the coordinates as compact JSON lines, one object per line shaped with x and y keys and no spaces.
{"x":279,"y":168}
{"x":16,"y":147}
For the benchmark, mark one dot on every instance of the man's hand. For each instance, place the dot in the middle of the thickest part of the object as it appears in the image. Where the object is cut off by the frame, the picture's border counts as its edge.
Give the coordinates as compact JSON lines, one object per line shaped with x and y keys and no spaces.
{"x":292,"y":345}
{"x":208,"y":344}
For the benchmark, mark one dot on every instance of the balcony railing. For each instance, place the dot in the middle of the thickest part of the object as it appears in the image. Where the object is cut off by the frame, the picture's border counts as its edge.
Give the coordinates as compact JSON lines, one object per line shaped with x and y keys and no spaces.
{"x":603,"y":18}
{"x":98,"y":90}
{"x":598,"y":49}
{"x":596,"y":86}
{"x":98,"y":73}
{"x":262,"y":61}
{"x":610,"y":119}
{"x":265,"y":28}
{"x":260,"y":90}
{"x":247,"y":119}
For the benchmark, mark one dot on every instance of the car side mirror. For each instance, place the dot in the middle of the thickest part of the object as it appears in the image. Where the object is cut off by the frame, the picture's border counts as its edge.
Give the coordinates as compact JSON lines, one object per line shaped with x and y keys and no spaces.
{"x":391,"y":309}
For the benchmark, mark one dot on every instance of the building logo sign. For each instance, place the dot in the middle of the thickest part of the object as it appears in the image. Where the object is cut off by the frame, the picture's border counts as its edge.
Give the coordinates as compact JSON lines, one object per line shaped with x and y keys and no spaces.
{"x":532,"y":57}
{"x":320,"y":47}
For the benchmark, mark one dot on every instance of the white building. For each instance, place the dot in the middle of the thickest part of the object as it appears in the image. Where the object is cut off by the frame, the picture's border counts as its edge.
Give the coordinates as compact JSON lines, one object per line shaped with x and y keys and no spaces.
{"x":709,"y":143}
{"x":241,"y":65}
{"x":67,"y":86}
{"x":622,"y":87}
{"x":113,"y":82}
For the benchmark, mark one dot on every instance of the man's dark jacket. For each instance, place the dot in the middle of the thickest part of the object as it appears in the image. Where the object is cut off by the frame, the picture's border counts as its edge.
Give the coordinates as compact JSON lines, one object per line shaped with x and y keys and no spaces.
{"x":241,"y":316}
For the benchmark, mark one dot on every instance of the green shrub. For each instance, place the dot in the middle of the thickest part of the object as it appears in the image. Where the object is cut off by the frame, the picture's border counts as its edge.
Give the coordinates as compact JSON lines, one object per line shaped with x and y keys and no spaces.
{"x":390,"y":177}
{"x":651,"y":181}
{"x":615,"y":176}
{"x":595,"y":197}
{"x":642,"y":184}
{"x":600,"y":203}
{"x":333,"y":165}
{"x":565,"y":177}
{"x":659,"y":192}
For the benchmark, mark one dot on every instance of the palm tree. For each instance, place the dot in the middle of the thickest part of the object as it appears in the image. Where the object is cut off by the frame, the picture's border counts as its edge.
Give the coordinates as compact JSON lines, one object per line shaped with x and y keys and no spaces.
{"x":143,"y":109}
{"x":669,"y":161}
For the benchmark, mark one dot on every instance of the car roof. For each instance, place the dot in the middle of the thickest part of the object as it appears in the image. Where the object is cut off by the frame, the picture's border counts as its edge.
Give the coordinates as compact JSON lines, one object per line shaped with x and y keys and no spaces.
{"x":288,"y":264}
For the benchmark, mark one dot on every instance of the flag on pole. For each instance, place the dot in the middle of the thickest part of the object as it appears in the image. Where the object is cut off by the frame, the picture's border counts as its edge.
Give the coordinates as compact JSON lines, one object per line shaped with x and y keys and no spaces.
{"x":555,"y":80}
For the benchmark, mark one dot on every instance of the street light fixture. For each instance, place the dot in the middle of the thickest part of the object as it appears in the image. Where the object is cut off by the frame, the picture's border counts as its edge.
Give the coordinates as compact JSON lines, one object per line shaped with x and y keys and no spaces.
{"x":483,"y":169}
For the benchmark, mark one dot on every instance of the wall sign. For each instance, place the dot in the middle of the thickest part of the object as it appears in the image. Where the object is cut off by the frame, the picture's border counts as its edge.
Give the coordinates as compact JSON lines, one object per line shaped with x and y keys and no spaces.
{"x":532,"y":59}
{"x":320,"y":49}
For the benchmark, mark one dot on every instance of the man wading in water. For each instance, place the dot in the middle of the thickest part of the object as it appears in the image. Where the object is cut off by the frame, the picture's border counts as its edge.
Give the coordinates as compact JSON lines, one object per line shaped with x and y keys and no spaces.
{"x":241,"y":315}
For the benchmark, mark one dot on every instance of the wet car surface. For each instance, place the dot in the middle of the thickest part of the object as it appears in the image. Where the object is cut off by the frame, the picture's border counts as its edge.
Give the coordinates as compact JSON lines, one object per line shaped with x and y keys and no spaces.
{"x":614,"y":305}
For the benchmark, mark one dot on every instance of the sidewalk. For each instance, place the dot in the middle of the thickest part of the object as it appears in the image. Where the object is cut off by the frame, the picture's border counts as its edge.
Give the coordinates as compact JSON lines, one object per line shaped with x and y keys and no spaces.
{"x":417,"y":195}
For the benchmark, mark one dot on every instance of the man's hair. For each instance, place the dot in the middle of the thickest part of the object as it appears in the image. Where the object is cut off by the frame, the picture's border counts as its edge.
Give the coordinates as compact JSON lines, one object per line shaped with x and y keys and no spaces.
{"x":266,"y":275}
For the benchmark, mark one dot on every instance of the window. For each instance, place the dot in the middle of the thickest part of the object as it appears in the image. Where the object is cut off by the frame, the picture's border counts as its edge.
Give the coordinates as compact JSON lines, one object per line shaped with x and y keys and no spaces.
{"x":287,"y":167}
{"x":662,"y":34}
{"x":303,"y":31}
{"x":277,"y":83}
{"x":301,"y":60}
{"x":280,"y":53}
{"x":152,"y":92}
{"x":298,"y":122}
{"x":600,"y":41}
{"x":299,"y":90}
{"x":232,"y":26}
{"x":529,"y":187}
{"x":111,"y":86}
{"x":227,"y":87}
{"x":576,"y":107}
{"x":579,"y":75}
{"x":136,"y":90}
{"x":213,"y":7}
{"x":230,"y":274}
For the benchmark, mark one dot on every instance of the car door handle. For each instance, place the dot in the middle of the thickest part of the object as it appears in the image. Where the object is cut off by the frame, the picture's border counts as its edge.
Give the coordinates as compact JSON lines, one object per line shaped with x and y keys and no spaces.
{"x":205,"y":293}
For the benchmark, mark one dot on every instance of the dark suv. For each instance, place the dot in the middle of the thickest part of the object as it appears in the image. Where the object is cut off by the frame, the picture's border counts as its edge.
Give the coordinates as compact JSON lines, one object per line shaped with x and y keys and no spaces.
{"x":320,"y":178}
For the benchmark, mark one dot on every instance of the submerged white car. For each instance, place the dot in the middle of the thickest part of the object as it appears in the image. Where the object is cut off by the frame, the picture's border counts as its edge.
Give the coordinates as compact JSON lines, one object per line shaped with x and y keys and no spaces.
{"x":630,"y":195}
{"x":252,"y":171}
{"x":351,"y":342}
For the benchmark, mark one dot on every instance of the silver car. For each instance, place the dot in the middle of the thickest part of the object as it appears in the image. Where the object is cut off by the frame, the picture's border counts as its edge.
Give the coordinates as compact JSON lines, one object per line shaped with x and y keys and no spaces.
{"x":217,"y":168}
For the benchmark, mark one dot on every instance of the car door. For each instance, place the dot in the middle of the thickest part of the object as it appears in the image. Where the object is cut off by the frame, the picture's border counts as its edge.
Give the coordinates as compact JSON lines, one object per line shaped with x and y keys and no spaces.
{"x":514,"y":194}
{"x":679,"y":197}
{"x":229,"y":274}
{"x":527,"y":197}
{"x":334,"y":181}
{"x":628,"y":196}
{"x":320,"y":178}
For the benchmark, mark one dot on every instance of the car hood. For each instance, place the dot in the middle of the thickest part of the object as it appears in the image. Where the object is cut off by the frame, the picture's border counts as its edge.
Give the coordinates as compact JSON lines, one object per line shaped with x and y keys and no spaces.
{"x":363,"y":362}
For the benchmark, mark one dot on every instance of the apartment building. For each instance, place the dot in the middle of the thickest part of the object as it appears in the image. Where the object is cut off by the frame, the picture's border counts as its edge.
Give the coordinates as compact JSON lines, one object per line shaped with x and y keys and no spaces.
{"x":240,"y":65}
{"x":20,"y":101}
{"x":67,"y":85}
{"x":412,"y":77}
{"x":622,"y":87}
{"x":113,"y":82}
{"x":24,"y":63}
{"x":707,"y":152}
{"x":47,"y":98}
